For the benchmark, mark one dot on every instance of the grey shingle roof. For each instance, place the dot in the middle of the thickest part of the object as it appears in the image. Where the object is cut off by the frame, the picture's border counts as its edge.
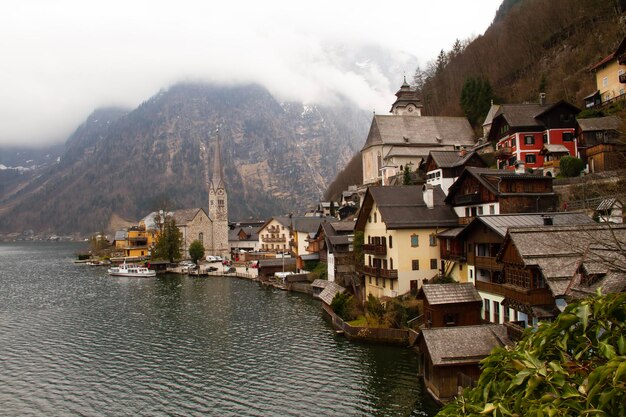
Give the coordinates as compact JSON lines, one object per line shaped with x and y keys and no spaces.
{"x":520,"y":114}
{"x":330,"y":291}
{"x":599,"y":123}
{"x":310,"y":224}
{"x":184,"y":216}
{"x":450,"y":293}
{"x":552,"y":148}
{"x":403,"y":207}
{"x":499,"y":223}
{"x":419,"y":131}
{"x":464,"y":344}
{"x":450,"y":159}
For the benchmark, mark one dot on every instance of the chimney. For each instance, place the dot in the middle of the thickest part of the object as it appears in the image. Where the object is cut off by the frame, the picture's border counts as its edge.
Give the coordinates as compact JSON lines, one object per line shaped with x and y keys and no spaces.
{"x":548,"y":220}
{"x":427,"y":192}
{"x":462,"y":152}
{"x":542,"y":99}
{"x":520,"y":168}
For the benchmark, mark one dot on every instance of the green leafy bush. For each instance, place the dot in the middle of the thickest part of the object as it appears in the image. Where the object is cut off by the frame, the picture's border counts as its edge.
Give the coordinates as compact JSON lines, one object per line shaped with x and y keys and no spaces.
{"x":343,"y":305}
{"x":574,"y":366}
{"x":571,"y":166}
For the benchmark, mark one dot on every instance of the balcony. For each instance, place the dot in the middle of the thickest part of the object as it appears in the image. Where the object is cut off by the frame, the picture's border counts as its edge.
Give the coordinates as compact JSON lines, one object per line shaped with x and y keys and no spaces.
{"x":371,"y":249}
{"x":453,"y":255}
{"x":473,"y":198}
{"x":487,"y":262}
{"x":490,"y":287}
{"x":540,"y":296}
{"x":380,"y":272}
{"x":275,"y":239}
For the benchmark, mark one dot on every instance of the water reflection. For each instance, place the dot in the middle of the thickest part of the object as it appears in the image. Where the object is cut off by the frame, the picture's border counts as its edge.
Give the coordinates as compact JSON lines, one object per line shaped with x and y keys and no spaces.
{"x":75,"y":341}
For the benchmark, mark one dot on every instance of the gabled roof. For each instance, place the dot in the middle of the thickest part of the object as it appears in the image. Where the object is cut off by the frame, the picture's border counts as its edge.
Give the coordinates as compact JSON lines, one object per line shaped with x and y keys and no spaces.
{"x":599,"y":123}
{"x":500,"y":223}
{"x":329,"y":292}
{"x":558,"y":250}
{"x":455,"y":293}
{"x":450,"y":159}
{"x":403,"y":207}
{"x":282,"y":220}
{"x":419,"y":131}
{"x":620,"y":48}
{"x":609,"y":203}
{"x":490,"y":178}
{"x":463,"y":344}
{"x":493,"y":110}
{"x":121,"y":235}
{"x":309,"y":224}
{"x":550,"y":148}
{"x":528,"y":115}
{"x":182,"y":217}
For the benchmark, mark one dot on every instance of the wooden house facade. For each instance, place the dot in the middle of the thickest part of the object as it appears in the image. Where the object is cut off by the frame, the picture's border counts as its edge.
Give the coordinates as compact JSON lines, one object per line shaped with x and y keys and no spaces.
{"x":445,"y":305}
{"x":449,"y":357}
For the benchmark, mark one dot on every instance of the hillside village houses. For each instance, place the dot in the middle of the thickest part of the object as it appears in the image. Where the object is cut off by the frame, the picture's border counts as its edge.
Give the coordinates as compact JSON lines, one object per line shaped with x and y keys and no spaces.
{"x":610,"y":74}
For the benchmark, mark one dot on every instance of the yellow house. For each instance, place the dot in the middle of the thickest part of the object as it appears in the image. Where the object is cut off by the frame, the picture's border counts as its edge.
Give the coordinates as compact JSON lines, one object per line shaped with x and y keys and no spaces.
{"x":138,"y":241}
{"x":610,"y":78}
{"x":400,"y":245}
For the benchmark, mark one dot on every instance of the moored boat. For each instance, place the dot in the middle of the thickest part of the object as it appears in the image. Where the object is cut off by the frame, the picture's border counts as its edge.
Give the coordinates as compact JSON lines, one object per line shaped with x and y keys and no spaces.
{"x":131,"y":270}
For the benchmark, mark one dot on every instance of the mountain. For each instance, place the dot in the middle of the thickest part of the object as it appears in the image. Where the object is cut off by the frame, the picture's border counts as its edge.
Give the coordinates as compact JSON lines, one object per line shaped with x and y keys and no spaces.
{"x":532,"y":47}
{"x":277,"y":158}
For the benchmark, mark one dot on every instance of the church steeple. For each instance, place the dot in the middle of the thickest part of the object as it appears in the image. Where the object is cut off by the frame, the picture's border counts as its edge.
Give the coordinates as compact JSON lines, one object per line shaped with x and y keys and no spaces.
{"x":218,"y":203}
{"x":407,"y":102}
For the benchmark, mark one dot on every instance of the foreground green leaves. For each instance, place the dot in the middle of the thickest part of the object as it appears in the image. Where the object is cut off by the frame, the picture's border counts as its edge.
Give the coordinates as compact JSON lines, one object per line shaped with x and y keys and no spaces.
{"x":575,"y":366}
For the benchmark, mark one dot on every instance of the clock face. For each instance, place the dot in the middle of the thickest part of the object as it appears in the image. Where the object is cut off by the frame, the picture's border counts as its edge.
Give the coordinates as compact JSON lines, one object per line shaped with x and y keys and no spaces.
{"x":220,"y":191}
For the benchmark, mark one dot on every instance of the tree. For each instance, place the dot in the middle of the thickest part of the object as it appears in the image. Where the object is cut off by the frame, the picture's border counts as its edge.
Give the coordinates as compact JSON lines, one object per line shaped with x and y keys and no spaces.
{"x":574,"y":366}
{"x":476,"y":97}
{"x":169,"y":239}
{"x":571,"y":166}
{"x":196,"y":251}
{"x":406,"y":177}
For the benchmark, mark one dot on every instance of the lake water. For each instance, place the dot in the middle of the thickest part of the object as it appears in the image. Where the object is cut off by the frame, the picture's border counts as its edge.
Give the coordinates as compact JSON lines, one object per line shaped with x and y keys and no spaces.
{"x":74,"y":341}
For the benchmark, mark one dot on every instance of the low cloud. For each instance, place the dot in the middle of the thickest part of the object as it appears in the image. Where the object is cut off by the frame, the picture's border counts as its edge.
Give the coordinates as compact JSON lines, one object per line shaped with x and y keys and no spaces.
{"x":63,"y":59}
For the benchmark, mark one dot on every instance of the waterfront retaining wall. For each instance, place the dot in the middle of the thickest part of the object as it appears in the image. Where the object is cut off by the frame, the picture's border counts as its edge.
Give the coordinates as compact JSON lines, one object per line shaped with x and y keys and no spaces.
{"x":367,"y":334}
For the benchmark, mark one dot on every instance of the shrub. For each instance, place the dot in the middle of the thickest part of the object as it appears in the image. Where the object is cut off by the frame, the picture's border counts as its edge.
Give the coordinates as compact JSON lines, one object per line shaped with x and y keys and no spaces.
{"x":571,"y":166}
{"x":375,"y":307}
{"x":343,"y":305}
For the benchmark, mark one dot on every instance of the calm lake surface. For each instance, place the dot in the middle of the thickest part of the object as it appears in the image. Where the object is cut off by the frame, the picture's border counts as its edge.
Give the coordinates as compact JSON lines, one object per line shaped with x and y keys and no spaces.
{"x":74,"y":341}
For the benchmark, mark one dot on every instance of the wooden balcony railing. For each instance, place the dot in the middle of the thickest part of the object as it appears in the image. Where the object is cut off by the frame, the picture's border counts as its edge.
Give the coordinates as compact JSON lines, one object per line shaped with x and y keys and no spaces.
{"x":540,"y":296}
{"x":372,"y":249}
{"x":487,"y":262}
{"x":489,"y":287}
{"x":380,"y":272}
{"x":473,"y":198}
{"x":275,"y":239}
{"x":453,"y":255}
{"x":504,"y":153}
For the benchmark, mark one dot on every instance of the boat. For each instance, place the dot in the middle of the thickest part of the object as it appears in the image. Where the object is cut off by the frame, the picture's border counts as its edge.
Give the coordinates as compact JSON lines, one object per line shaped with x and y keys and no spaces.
{"x":131,"y":270}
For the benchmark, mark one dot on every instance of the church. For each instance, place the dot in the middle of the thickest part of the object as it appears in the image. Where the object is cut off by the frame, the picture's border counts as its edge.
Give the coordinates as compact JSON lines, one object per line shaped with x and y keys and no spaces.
{"x":209,"y":226}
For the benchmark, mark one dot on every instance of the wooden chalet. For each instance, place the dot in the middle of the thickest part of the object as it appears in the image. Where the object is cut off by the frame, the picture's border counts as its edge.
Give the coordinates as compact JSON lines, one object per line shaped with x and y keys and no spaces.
{"x":477,"y":245}
{"x":449,"y":357}
{"x":450,"y":305}
{"x":480,"y":191}
{"x":539,"y":264}
{"x":601,"y":144}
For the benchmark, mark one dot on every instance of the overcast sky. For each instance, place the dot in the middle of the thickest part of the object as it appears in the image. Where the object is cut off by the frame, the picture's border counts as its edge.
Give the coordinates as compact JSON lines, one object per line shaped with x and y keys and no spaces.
{"x":61,"y":59}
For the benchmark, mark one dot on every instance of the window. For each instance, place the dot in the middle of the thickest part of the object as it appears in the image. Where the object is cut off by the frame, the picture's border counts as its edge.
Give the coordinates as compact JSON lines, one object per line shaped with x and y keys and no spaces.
{"x":390,"y":263}
{"x":496,"y":312}
{"x":432,"y":239}
{"x":545,"y":137}
{"x":467,"y":212}
{"x":568,"y":136}
{"x":529,"y":140}
{"x":486,"y":305}
{"x":415,"y":241}
{"x":375,"y":218}
{"x":433,"y":264}
{"x":391,"y":284}
{"x":506,"y":314}
{"x":390,"y":242}
{"x":531,"y":158}
{"x":492,"y":209}
{"x":370,"y":280}
{"x":605,"y":82}
{"x":384,"y":283}
{"x":513,"y":143}
{"x":480,"y":210}
{"x":415,"y":264}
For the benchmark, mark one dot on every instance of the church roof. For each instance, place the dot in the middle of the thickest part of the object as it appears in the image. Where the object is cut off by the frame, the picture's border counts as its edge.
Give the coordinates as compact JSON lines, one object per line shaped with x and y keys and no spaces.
{"x":419,"y":131}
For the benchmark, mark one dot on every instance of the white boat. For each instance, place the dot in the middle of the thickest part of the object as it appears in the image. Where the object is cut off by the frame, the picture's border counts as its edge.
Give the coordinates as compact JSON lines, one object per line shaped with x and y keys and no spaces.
{"x":131,"y":270}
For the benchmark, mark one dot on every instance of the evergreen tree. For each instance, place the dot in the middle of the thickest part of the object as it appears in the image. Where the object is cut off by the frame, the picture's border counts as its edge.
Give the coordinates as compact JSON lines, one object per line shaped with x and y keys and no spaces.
{"x":169,"y":240}
{"x":476,"y":97}
{"x":406,"y":178}
{"x":196,"y":251}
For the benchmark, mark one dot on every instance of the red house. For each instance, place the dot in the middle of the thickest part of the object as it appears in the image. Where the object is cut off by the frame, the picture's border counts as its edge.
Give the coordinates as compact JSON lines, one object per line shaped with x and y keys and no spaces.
{"x":520,"y":132}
